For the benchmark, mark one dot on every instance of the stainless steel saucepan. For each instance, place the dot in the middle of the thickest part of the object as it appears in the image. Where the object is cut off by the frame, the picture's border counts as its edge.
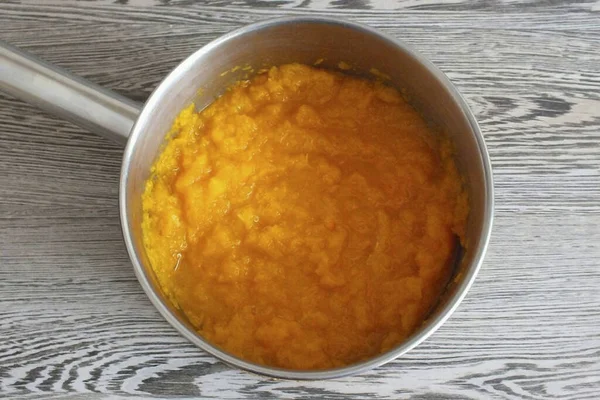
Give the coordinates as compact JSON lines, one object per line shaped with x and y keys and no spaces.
{"x":200,"y":79}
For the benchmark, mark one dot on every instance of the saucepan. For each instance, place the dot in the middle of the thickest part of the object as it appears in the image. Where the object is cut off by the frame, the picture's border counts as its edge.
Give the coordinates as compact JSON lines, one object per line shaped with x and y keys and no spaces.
{"x":201,"y":78}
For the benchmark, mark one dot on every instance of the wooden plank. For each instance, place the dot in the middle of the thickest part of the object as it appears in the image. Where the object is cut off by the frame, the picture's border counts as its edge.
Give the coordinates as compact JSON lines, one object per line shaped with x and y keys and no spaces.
{"x":75,"y":322}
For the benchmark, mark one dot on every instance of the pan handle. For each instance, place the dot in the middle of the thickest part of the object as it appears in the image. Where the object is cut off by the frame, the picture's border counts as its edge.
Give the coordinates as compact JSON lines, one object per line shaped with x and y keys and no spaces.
{"x":58,"y":92}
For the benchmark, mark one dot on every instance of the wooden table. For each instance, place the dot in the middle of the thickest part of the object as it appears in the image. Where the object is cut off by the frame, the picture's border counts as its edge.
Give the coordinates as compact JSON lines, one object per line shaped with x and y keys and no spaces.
{"x":74,"y":322}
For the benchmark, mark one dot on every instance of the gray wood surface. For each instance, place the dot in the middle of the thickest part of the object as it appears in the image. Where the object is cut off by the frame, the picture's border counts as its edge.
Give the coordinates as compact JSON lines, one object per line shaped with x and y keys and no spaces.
{"x":74,"y":322}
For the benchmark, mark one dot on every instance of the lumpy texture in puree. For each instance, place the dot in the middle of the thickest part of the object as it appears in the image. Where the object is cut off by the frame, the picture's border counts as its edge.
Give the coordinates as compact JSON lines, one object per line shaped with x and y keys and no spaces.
{"x":305,"y":220}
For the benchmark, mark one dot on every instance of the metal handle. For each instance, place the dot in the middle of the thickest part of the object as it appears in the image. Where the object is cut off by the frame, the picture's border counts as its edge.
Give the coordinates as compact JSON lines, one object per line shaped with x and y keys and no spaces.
{"x":58,"y":92}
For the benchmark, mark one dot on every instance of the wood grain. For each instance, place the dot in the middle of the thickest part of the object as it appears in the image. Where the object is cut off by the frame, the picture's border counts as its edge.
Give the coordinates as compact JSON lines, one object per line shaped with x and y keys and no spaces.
{"x":75,"y":324}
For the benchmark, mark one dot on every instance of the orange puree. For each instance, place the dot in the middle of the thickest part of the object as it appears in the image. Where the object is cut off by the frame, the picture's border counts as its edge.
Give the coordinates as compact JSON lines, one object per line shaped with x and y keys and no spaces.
{"x":305,"y":220}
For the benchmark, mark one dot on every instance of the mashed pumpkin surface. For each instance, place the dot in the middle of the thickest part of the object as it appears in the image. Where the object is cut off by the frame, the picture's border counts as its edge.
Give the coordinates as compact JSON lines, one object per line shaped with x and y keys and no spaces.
{"x":305,"y":220}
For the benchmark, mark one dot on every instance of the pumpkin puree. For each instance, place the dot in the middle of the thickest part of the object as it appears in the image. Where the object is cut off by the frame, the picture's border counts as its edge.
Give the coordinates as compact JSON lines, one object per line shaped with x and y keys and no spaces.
{"x":304,"y":220}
